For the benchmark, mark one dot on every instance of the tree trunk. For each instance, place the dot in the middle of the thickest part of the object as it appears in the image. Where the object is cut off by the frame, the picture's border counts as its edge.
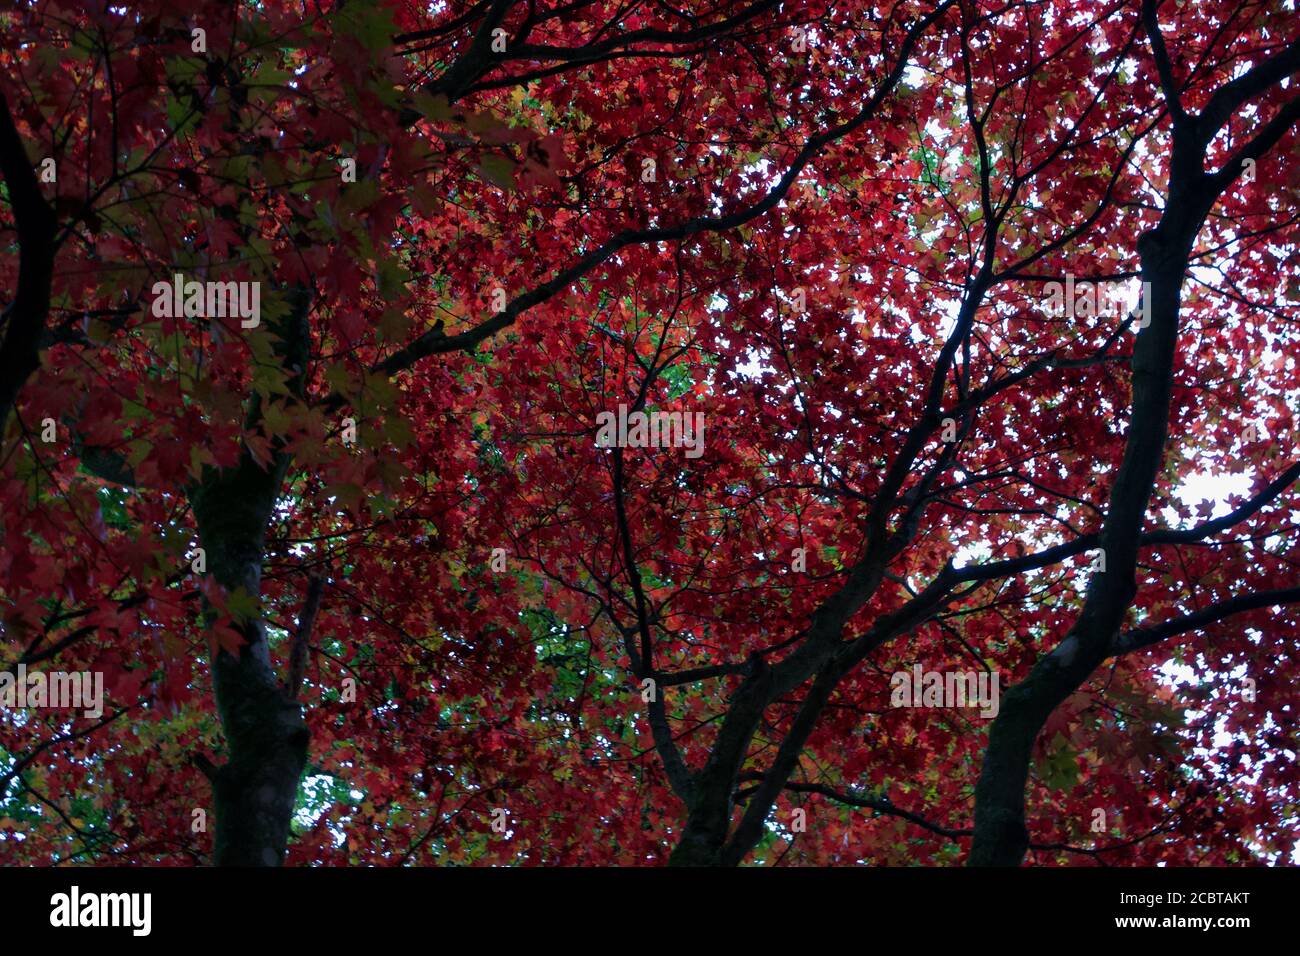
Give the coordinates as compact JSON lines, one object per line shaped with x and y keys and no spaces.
{"x":704,"y":839}
{"x":1001,"y":837}
{"x":23,"y":322}
{"x":256,"y":789}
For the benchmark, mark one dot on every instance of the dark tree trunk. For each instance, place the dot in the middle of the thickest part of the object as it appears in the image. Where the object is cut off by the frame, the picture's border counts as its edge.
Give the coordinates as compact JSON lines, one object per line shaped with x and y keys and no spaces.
{"x":705,"y":836}
{"x":266,"y":736}
{"x":265,"y":732}
{"x":1001,"y":837}
{"x":23,"y":322}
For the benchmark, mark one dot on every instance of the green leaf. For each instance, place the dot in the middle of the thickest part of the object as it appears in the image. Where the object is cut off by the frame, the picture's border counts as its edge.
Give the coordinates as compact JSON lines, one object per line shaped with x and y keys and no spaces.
{"x":1059,"y":767}
{"x":241,"y":605}
{"x":498,"y":170}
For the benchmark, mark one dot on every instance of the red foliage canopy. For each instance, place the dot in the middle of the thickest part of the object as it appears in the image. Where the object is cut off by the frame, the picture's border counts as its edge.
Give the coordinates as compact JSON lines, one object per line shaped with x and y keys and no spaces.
{"x":978,"y":321}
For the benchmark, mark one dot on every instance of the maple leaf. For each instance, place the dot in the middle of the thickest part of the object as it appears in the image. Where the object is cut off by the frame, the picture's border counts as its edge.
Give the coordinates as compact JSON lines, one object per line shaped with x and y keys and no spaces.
{"x":228,"y":639}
